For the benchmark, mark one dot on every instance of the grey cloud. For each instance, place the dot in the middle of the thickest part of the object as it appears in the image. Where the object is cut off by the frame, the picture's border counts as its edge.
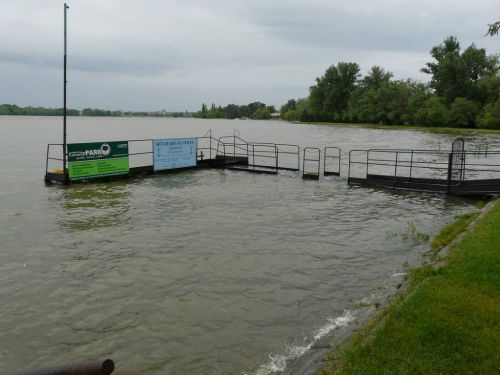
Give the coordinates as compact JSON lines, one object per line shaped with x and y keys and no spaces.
{"x":89,"y":64}
{"x":375,"y":25}
{"x":178,"y":53}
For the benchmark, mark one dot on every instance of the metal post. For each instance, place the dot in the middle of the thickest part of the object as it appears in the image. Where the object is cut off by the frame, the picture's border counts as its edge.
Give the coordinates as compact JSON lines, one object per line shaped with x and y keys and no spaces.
{"x":277,"y":155}
{"x":340,"y":156}
{"x":411,"y":163}
{"x":396,"y":171}
{"x":367,"y":159}
{"x":462,"y":171}
{"x":304,"y":161}
{"x":47,"y":160}
{"x":319,"y":161}
{"x":298,"y":159}
{"x":396,"y":166}
{"x":349,"y":168}
{"x":324,"y":161}
{"x":450,"y":164}
{"x":65,"y":172}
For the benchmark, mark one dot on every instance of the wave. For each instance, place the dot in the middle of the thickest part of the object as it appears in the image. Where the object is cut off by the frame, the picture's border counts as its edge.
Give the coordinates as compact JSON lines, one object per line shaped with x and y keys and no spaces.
{"x":277,"y":361}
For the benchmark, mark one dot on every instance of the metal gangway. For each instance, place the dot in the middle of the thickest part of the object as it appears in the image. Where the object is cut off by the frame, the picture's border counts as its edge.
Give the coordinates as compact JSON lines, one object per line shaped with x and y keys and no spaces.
{"x":457,"y":171}
{"x":229,"y":152}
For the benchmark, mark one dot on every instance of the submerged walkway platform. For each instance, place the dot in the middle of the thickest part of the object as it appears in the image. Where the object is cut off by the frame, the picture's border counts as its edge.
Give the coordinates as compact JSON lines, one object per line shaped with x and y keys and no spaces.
{"x":456,"y":172}
{"x":100,"y":161}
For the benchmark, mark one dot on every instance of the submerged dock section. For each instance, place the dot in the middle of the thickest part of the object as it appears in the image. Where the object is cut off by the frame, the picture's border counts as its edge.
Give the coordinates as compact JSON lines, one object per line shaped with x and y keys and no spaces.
{"x":457,"y":172}
{"x":117,"y":159}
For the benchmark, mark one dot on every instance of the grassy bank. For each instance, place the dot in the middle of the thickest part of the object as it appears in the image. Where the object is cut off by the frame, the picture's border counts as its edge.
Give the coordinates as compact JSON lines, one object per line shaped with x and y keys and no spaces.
{"x":449,"y":320}
{"x":429,"y":129}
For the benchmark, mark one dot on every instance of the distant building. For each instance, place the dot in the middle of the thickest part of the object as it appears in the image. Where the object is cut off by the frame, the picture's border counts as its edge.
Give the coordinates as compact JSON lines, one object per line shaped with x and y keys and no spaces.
{"x":162,"y":113}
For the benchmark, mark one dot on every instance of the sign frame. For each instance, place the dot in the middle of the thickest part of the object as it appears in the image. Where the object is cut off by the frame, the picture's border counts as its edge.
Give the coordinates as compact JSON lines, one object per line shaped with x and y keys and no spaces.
{"x":91,"y":160}
{"x":174,"y":153}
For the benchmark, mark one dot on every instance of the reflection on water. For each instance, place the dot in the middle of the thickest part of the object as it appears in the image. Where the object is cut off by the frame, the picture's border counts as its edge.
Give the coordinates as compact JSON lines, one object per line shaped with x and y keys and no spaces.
{"x":82,"y":207}
{"x":200,"y":272}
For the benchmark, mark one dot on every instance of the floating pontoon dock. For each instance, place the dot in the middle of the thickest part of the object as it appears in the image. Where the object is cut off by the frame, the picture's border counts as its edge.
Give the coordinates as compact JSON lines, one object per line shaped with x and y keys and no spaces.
{"x":99,"y":160}
{"x":457,"y":172}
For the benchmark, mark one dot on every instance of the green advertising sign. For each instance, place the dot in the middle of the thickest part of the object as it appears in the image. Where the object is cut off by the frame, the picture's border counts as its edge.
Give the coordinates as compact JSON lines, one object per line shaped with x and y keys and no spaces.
{"x":94,"y":160}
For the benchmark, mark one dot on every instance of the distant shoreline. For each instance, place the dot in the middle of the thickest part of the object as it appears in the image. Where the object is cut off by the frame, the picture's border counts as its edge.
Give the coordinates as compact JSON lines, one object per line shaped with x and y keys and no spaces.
{"x":15,"y":110}
{"x":430,"y":129}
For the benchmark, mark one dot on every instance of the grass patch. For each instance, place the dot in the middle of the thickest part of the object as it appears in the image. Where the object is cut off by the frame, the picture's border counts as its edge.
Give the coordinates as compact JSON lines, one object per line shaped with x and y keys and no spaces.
{"x":429,"y":129}
{"x":448,"y":324}
{"x":481,"y":203}
{"x":410,"y":234}
{"x":451,"y":231}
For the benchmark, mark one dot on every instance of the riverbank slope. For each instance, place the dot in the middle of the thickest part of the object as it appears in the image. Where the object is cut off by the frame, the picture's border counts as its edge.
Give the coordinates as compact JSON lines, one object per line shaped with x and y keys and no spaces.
{"x":446,"y":323}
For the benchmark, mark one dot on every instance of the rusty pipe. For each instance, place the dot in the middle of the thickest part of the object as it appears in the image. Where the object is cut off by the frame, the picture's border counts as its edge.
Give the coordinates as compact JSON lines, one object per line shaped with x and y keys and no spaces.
{"x":105,"y":367}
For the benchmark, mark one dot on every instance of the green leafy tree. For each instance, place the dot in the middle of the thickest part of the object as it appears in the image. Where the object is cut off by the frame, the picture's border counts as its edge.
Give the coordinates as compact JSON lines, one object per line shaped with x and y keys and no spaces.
{"x":290,"y":105}
{"x":433,"y":112}
{"x":490,"y":117}
{"x":455,"y":73}
{"x":488,"y":89}
{"x":231,"y":111}
{"x":397,"y":95}
{"x":493,"y":29}
{"x":376,"y":78}
{"x":417,"y":96}
{"x":331,"y":93}
{"x":463,"y":113}
{"x":244,"y":111}
{"x":290,"y":115}
{"x":386,"y":104}
{"x":261,"y":114}
{"x":271,"y":108}
{"x":253,"y":107}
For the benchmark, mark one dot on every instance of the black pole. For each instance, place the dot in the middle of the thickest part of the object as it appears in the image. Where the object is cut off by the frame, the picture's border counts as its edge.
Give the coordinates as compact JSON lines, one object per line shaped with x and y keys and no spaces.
{"x":65,"y":171}
{"x":450,"y":172}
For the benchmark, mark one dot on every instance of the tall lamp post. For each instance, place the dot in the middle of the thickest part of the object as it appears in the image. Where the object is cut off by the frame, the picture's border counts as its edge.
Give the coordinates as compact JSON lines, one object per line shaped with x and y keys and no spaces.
{"x":65,"y":171}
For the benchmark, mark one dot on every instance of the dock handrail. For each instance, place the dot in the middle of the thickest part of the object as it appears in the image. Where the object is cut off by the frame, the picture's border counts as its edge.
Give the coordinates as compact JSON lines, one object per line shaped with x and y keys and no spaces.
{"x":326,"y":156}
{"x":265,"y":153}
{"x":52,"y":158}
{"x":306,"y":175}
{"x":281,"y":151}
{"x":397,"y":163}
{"x":210,"y":148}
{"x":234,"y":145}
{"x":449,"y":169}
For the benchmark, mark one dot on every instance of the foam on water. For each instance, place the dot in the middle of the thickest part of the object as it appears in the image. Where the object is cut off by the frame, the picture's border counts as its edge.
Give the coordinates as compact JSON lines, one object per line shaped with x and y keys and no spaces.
{"x":399,"y":274}
{"x":277,"y":361}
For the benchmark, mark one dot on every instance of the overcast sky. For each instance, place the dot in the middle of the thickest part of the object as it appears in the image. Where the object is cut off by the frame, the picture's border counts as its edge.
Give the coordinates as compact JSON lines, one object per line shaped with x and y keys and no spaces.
{"x":176,"y":54}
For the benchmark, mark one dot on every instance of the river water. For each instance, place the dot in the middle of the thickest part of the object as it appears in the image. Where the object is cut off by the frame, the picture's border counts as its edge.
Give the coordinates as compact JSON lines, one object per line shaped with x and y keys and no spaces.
{"x":199,"y":272}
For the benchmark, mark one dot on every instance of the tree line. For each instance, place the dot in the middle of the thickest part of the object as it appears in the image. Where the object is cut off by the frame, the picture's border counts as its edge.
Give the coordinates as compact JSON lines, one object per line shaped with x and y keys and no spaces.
{"x":255,"y":110}
{"x":464,"y":91}
{"x":14,"y":110}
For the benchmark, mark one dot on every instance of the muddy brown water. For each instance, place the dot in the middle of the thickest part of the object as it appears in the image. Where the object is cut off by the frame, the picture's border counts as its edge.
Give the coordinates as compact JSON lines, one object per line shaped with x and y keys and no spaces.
{"x":199,"y":272}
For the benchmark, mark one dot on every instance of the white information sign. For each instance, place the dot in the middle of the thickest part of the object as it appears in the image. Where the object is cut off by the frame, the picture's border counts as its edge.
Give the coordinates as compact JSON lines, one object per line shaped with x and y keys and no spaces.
{"x":174,"y":153}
